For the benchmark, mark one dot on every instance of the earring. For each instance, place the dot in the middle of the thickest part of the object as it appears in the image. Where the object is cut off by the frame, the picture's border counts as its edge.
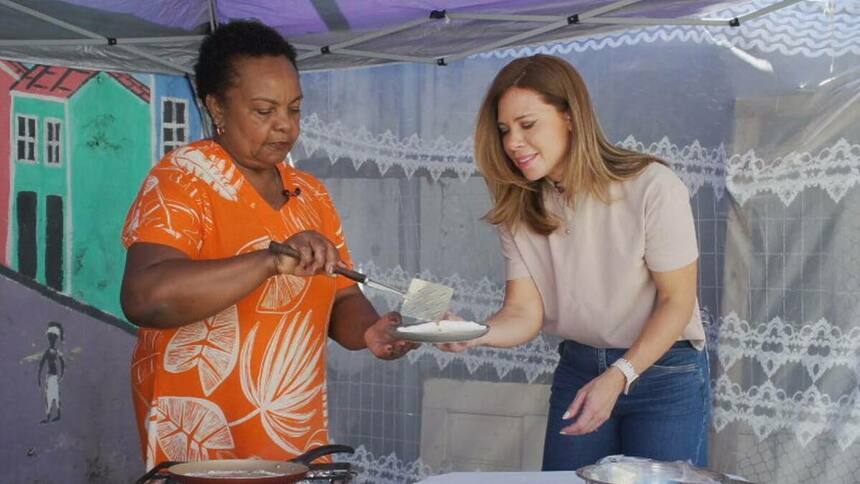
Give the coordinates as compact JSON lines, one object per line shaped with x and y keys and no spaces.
{"x":219,"y":129}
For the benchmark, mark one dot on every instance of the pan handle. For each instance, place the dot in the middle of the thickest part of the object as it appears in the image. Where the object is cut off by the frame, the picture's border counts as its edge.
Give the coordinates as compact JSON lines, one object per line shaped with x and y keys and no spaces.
{"x":320,"y":451}
{"x":279,"y":248}
{"x":155,"y":472}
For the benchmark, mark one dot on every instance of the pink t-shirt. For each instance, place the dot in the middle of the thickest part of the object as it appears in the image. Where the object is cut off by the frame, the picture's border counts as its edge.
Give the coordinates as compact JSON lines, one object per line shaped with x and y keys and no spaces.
{"x":593,"y":273}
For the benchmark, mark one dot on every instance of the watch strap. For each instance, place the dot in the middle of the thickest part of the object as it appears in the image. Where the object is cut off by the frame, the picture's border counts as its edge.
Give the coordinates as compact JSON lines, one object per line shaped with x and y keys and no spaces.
{"x":629,"y":372}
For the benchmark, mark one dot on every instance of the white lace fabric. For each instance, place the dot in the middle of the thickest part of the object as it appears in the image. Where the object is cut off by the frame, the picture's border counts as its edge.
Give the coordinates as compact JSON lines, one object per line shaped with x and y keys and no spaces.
{"x":760,"y":122}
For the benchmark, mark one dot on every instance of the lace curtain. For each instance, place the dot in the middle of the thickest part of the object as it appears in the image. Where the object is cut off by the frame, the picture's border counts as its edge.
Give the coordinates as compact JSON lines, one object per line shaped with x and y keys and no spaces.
{"x":762,"y":122}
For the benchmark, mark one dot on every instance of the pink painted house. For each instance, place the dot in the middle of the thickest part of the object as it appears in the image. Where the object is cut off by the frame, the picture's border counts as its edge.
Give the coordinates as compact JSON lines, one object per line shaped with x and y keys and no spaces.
{"x":10,"y":73}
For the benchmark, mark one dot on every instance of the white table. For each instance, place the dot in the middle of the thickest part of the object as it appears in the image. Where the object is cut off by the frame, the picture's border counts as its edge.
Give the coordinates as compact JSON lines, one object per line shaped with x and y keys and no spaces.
{"x":560,"y":477}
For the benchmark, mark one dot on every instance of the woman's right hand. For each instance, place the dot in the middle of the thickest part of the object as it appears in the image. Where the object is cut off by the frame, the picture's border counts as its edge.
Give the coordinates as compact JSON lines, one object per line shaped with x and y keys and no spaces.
{"x":318,"y":255}
{"x":458,"y":347}
{"x":462,"y":345}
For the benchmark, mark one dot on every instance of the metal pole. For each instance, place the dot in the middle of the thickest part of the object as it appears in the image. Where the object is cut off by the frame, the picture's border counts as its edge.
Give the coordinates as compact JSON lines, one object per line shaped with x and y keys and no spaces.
{"x":502,"y":17}
{"x":335,"y":48}
{"x":89,"y":34}
{"x":101,"y":41}
{"x":386,"y":56}
{"x":559,"y":23}
{"x":655,"y":21}
{"x":767,"y":10}
{"x":213,"y":20}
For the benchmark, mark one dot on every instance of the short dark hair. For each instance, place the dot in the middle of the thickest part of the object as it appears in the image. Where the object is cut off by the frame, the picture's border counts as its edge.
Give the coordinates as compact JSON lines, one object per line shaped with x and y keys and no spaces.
{"x":233,"y":40}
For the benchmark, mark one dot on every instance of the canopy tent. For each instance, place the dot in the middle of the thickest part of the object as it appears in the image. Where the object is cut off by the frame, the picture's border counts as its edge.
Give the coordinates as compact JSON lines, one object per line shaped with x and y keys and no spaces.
{"x":163,"y":35}
{"x":759,"y":120}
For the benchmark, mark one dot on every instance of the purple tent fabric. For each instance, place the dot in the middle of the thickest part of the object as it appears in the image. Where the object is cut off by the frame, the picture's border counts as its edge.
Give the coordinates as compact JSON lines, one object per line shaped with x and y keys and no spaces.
{"x":295,"y":18}
{"x":163,"y":35}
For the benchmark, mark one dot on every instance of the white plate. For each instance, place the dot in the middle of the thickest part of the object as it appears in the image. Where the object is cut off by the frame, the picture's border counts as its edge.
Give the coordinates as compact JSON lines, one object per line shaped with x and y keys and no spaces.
{"x":442,"y":332}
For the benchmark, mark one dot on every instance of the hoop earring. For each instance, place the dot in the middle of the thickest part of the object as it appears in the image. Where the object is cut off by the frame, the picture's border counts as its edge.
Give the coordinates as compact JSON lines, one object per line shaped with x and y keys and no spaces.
{"x":219,"y":130}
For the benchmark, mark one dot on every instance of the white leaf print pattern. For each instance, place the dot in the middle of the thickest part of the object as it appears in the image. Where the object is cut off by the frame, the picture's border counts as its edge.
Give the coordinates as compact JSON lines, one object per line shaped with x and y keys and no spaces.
{"x":143,"y":367}
{"x":282,"y":292}
{"x":150,"y":183}
{"x":318,"y":439}
{"x":302,"y":215}
{"x":187,"y":429}
{"x":211,"y":345}
{"x":161,"y":210}
{"x":283,"y":386}
{"x":223,"y":180}
{"x":151,"y":439}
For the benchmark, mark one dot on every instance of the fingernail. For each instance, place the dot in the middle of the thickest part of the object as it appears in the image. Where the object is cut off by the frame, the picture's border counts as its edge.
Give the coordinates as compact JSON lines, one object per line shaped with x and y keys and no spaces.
{"x":562,"y":433}
{"x":566,"y":415}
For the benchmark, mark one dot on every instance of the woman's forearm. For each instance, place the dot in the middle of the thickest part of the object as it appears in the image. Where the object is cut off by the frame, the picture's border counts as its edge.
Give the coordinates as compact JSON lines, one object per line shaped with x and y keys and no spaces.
{"x":512,"y":326}
{"x":676,"y":299}
{"x":663,"y":328}
{"x":520,"y":318}
{"x":351,"y":315}
{"x":179,"y":291}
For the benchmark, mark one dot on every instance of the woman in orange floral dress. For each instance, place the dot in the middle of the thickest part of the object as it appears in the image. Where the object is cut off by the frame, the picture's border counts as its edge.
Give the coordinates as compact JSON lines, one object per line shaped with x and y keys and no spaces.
{"x":230,"y":360}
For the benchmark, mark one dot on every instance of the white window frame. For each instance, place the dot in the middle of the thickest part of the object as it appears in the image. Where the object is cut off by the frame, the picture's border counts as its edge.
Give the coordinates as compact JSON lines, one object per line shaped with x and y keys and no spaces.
{"x":56,"y":144}
{"x":28,"y":140}
{"x":173,"y":126}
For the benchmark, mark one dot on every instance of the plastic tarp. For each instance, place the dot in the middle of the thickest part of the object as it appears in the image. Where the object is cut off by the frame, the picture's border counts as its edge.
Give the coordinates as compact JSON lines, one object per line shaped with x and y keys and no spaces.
{"x":762,"y":123}
{"x":163,"y":35}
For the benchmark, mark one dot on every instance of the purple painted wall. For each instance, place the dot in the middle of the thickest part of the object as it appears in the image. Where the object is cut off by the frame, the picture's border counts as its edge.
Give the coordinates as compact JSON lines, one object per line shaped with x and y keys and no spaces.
{"x":94,"y":440}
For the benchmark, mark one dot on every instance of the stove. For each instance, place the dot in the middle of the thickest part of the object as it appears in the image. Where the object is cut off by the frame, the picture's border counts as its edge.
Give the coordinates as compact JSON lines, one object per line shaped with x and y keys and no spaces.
{"x":330,"y":473}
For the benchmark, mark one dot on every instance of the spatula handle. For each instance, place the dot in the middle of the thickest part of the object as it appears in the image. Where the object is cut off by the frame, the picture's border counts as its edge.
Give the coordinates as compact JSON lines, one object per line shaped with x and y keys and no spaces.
{"x":351,"y":274}
{"x":279,"y":248}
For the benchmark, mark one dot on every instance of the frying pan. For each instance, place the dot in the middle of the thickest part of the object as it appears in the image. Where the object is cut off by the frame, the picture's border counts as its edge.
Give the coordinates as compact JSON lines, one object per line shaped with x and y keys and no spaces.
{"x":423,"y":301}
{"x":242,"y":471}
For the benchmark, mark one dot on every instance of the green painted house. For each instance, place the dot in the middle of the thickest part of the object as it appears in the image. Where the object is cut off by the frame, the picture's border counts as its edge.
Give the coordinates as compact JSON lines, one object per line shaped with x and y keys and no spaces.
{"x":81,"y":145}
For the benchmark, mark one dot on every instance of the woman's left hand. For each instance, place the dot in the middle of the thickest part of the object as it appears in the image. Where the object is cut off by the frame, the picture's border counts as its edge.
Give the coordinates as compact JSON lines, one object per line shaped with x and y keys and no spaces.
{"x":594,"y":402}
{"x":382,"y":341}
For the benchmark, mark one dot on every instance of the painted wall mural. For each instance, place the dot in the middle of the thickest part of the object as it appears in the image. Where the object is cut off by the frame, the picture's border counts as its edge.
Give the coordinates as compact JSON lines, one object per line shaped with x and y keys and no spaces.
{"x":66,"y":398}
{"x":74,"y":148}
{"x":10,"y":73}
{"x":55,"y":368}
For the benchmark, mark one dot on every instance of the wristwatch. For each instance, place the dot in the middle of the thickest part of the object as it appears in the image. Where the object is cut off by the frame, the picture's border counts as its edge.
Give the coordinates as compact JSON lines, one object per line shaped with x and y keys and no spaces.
{"x":629,"y":373}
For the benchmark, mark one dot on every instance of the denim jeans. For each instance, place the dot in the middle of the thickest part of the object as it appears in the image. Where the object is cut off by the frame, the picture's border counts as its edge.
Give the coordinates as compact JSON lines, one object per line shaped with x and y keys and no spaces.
{"x":665,"y":417}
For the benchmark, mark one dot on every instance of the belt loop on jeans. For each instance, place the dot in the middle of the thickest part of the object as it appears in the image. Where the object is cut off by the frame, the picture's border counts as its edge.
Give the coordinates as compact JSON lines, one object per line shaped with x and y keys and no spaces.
{"x":602,"y":365}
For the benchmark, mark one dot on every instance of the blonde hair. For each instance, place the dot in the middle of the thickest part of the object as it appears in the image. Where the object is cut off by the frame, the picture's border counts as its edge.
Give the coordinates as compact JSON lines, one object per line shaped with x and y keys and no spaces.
{"x":592,"y":162}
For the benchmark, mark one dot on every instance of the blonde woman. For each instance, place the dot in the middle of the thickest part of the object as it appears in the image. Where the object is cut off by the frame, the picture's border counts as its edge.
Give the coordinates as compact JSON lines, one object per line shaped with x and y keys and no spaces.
{"x":601,"y":250}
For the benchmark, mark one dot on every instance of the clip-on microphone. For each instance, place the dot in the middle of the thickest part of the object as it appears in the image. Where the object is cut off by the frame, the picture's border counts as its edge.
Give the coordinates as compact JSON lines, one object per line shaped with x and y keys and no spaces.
{"x":295,"y":193}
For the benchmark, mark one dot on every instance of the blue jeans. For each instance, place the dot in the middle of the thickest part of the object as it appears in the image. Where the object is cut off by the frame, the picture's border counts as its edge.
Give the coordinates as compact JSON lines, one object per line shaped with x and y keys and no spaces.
{"x":665,"y":417}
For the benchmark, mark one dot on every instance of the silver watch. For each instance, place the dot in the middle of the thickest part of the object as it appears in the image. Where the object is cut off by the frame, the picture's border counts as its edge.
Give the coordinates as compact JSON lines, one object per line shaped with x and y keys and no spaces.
{"x":629,"y":373}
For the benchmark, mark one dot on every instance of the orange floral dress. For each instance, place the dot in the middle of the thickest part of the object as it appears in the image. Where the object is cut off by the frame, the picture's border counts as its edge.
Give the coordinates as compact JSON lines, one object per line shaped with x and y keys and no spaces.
{"x":250,"y":380}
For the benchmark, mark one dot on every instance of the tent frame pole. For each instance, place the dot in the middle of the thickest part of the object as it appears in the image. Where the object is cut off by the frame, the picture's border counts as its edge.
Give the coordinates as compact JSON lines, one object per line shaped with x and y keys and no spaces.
{"x":101,"y":41}
{"x":560,"y":22}
{"x":213,"y":20}
{"x":768,"y":9}
{"x":594,"y":16}
{"x":552,"y":22}
{"x":657,"y":21}
{"x":92,"y":35}
{"x":339,"y":47}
